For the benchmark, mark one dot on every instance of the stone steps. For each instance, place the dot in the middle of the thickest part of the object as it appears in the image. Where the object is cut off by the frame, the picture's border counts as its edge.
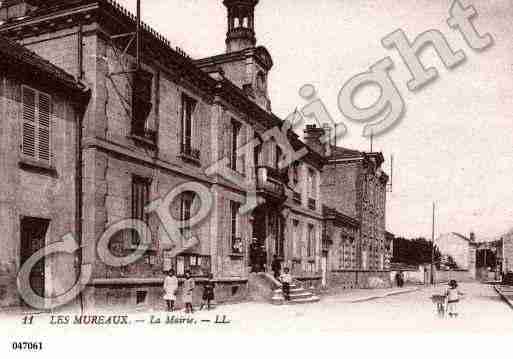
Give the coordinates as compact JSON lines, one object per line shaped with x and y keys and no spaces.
{"x":298,"y":295}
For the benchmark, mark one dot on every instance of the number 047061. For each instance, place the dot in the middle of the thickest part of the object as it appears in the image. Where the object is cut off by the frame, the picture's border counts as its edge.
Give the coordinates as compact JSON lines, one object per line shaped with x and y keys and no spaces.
{"x":27,"y":346}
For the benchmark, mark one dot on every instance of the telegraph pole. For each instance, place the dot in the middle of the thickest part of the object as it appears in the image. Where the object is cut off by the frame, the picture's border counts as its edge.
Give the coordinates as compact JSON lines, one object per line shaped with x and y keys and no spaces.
{"x":433,"y":247}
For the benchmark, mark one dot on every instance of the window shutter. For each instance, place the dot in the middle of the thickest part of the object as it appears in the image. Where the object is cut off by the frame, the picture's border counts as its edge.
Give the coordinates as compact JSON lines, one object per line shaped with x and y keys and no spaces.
{"x":44,"y":127}
{"x":29,"y":124}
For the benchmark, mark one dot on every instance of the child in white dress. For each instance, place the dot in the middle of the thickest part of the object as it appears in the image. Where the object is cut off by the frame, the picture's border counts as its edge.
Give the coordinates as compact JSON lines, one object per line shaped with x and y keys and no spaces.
{"x":453,"y":297}
{"x":170,"y":290}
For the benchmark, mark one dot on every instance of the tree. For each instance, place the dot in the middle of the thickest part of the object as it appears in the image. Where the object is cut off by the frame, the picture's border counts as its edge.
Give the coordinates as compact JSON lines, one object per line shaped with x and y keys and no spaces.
{"x":414,"y":251}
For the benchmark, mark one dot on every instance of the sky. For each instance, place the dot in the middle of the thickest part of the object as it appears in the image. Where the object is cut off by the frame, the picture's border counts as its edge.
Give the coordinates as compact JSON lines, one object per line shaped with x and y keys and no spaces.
{"x":454,"y":145}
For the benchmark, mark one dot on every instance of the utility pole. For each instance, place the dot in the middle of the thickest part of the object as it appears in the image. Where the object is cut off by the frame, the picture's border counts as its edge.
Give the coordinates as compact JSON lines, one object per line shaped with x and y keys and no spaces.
{"x":433,"y":247}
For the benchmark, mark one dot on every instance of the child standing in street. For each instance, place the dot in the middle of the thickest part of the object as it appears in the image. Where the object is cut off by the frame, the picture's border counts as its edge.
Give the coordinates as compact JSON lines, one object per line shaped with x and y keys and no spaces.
{"x":453,"y":297}
{"x":188,"y":288}
{"x":208,"y":292}
{"x":286,"y":280}
{"x":170,"y":289}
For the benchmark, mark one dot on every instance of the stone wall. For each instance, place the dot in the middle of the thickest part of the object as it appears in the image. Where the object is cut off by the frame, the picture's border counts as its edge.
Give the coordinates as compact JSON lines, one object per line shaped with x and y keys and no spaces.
{"x":340,"y":280}
{"x":150,"y":296}
{"x":339,"y":187}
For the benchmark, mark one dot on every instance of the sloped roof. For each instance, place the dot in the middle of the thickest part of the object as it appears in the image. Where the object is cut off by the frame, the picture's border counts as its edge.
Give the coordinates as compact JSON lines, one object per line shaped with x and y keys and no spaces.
{"x":461,"y":236}
{"x":15,"y":56}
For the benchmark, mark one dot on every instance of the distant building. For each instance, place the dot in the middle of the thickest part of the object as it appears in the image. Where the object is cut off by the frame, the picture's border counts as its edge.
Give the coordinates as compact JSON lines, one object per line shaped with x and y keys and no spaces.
{"x":461,"y":248}
{"x":507,"y":252}
{"x":355,"y":184}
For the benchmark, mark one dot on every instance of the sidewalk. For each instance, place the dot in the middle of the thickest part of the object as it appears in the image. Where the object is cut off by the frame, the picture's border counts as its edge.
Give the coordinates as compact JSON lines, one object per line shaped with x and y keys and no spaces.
{"x":365,"y":295}
{"x":506,"y":292}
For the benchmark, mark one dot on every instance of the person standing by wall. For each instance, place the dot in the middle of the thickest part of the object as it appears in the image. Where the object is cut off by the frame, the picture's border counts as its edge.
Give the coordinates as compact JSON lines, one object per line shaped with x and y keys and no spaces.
{"x":399,"y":278}
{"x":286,"y":281}
{"x":170,"y":289}
{"x":208,"y":292}
{"x":276,"y":267}
{"x":188,"y":289}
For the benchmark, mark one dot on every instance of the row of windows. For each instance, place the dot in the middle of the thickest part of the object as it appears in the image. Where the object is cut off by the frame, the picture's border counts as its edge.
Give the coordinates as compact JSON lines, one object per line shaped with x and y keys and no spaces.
{"x":37,"y":109}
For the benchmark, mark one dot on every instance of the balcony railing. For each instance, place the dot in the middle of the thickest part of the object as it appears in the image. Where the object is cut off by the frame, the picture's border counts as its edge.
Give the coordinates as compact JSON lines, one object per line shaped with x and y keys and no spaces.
{"x":189,"y":152}
{"x":312,"y":204}
{"x":270,"y":182}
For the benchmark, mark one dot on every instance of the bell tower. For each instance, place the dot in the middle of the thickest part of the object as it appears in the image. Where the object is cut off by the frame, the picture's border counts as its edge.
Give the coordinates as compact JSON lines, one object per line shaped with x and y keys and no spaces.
{"x":241,"y":24}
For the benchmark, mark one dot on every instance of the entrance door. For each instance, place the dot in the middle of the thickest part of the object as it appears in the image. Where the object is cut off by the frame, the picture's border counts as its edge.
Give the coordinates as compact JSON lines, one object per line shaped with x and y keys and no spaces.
{"x":32,"y":235}
{"x":324,"y":269}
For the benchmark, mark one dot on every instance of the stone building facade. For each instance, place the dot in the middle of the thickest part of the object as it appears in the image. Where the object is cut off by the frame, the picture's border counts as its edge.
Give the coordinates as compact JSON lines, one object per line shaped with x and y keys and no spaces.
{"x":354,"y":184}
{"x":162,"y":121}
{"x":41,"y":109}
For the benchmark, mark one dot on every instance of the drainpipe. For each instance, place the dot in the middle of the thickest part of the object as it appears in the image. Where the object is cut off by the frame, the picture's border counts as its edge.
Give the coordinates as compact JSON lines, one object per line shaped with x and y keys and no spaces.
{"x":78,"y":170}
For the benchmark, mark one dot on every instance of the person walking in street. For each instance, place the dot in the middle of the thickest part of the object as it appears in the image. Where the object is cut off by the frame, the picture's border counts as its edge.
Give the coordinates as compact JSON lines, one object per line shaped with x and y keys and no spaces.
{"x":208,"y":292}
{"x":276,"y":267}
{"x":188,"y":289}
{"x":170,"y":289}
{"x":453,"y":297}
{"x":286,"y":281}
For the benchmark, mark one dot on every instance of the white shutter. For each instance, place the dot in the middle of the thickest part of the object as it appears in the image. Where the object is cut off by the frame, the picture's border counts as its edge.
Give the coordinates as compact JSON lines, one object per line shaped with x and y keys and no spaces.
{"x":45,"y":110}
{"x":37,"y":122}
{"x":29,"y":124}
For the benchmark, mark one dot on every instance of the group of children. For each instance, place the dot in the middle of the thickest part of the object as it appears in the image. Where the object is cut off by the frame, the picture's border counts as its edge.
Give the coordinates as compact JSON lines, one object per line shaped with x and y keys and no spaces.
{"x":171,"y":291}
{"x":446,"y":303}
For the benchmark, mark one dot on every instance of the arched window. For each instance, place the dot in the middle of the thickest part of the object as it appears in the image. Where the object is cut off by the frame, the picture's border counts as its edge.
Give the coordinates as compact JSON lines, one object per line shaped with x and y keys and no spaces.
{"x":245,"y":22}
{"x":236,"y":22}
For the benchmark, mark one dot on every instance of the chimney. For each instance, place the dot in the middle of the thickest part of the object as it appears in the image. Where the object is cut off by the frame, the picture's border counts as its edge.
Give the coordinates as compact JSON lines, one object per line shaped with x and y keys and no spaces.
{"x":472,"y":237}
{"x":15,"y":9}
{"x":313,"y":136}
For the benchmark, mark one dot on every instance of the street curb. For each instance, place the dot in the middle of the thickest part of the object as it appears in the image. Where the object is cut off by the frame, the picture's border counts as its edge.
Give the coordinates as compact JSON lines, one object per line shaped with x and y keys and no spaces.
{"x":381,"y":296}
{"x":503,"y":296}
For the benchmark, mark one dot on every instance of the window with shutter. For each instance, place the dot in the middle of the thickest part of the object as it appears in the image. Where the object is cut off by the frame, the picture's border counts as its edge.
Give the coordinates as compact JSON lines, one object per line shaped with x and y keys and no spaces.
{"x":140,"y":198}
{"x":236,"y":241}
{"x":187,"y":128}
{"x":186,"y":208}
{"x":37,"y":124}
{"x":29,"y":123}
{"x":44,"y":127}
{"x":234,"y":155}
